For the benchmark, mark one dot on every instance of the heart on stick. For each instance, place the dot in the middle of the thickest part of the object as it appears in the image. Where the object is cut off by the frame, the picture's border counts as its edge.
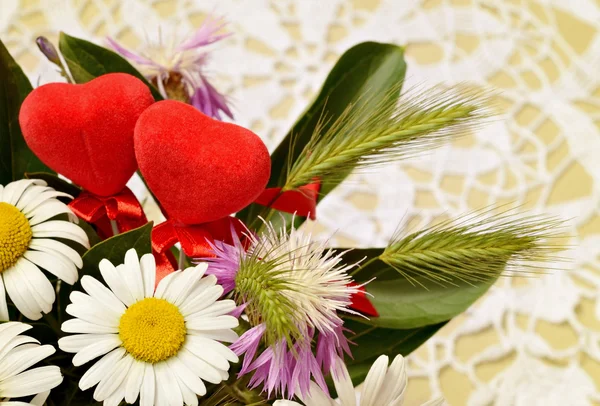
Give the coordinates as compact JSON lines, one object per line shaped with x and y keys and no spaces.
{"x":85,"y":132}
{"x":200,"y":169}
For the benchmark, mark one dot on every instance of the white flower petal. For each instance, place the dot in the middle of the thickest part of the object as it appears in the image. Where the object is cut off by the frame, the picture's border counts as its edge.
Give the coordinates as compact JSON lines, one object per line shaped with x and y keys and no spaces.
{"x":185,"y":375}
{"x":82,"y":326}
{"x":40,"y":398}
{"x":224,"y":335}
{"x":20,"y":295}
{"x":47,"y":210}
{"x":164,"y":283}
{"x":166,"y":386}
{"x":148,"y":265}
{"x":373,"y":382}
{"x":77,"y":342}
{"x":180,"y":287}
{"x":206,"y":354}
{"x":203,"y":284}
{"x":115,"y":282}
{"x":8,"y":332}
{"x":132,"y":274}
{"x":3,"y":303}
{"x":211,"y":323}
{"x":14,"y":190}
{"x":101,"y":368}
{"x":394,"y":384}
{"x":96,"y":349}
{"x":201,"y":368}
{"x":22,"y":358}
{"x":31,"y":382}
{"x":220,"y":308}
{"x":117,"y":396}
{"x":109,"y":383}
{"x":53,"y":247}
{"x":134,"y":381}
{"x":47,"y":193}
{"x":56,"y":265}
{"x":202,"y":300}
{"x":102,"y":294}
{"x":89,"y":305}
{"x":148,"y":388}
{"x":30,"y":194}
{"x":61,"y":229}
{"x":317,"y":397}
{"x":38,"y":283}
{"x":343,"y":384}
{"x":15,"y":342}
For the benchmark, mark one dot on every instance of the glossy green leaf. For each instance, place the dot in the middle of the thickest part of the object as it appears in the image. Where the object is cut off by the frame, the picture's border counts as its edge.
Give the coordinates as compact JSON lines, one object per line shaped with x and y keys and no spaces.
{"x":362,"y":75}
{"x":371,"y":342}
{"x":114,"y":249}
{"x":15,"y":156}
{"x":87,"y":61}
{"x":404,"y":304}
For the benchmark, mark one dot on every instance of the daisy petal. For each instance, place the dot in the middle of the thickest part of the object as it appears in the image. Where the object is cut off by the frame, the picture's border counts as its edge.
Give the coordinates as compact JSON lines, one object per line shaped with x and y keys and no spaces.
{"x":101,"y":368}
{"x":115,"y":282}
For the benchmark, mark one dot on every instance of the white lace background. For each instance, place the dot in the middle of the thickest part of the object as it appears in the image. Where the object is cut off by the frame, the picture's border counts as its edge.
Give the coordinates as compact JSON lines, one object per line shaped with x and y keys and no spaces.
{"x":529,"y":341}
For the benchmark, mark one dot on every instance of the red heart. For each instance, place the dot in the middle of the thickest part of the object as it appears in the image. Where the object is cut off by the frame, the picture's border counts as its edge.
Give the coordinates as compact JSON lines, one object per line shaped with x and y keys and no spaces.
{"x":85,"y":132}
{"x":200,"y":169}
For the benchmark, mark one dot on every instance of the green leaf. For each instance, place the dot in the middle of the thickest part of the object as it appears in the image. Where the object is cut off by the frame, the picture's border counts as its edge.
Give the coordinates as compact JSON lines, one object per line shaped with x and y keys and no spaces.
{"x":87,"y":61}
{"x":114,"y":249}
{"x":15,"y":156}
{"x":403,"y":305}
{"x":363,"y":74}
{"x":371,"y":342}
{"x":414,"y":303}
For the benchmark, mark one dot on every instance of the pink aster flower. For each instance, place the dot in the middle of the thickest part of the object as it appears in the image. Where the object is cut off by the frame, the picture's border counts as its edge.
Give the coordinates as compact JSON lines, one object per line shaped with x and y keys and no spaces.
{"x":293,"y":288}
{"x":178,"y":71}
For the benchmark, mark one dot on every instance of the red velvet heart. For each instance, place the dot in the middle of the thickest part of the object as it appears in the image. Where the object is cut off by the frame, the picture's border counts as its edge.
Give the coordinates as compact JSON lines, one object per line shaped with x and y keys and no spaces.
{"x":85,"y":132}
{"x":200,"y":169}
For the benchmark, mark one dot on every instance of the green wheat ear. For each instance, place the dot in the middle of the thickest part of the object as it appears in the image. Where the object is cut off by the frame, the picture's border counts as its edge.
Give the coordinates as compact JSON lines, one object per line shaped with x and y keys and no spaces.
{"x":392,"y":129}
{"x":481,"y":246}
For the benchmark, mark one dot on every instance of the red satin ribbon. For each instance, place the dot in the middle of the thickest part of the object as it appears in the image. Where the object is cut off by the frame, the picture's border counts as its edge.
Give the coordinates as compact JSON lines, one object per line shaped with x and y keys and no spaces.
{"x":361,"y":303}
{"x":124,"y":208}
{"x":195,"y":240}
{"x":301,"y":201}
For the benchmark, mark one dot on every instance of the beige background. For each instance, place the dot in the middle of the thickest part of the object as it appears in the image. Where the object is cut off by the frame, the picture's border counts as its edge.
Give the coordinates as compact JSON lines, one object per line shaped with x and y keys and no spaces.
{"x":572,"y":180}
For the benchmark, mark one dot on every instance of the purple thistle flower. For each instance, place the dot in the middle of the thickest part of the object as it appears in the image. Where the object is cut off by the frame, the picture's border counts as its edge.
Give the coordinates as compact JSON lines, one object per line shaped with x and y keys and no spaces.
{"x":178,"y":71}
{"x":292,"y":288}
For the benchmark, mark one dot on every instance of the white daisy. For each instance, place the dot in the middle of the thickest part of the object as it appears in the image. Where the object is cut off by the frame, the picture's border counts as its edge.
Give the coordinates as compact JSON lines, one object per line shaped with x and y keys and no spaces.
{"x":17,"y":353}
{"x":160,"y":344}
{"x":29,"y":241}
{"x":383,"y":386}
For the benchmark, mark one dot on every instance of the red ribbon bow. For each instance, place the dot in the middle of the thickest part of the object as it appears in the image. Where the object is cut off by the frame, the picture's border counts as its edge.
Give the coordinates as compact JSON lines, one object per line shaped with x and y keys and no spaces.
{"x":195,"y":240}
{"x":124,"y":208}
{"x":361,"y":303}
{"x":301,"y":201}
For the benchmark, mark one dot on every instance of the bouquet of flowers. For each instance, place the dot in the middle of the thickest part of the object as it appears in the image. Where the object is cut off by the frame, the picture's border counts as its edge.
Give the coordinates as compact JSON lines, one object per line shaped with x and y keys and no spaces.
{"x":230,"y":300}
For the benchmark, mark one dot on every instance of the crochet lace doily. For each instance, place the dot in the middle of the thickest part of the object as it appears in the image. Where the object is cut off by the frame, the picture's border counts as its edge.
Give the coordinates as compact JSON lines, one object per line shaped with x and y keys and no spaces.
{"x":529,"y":341}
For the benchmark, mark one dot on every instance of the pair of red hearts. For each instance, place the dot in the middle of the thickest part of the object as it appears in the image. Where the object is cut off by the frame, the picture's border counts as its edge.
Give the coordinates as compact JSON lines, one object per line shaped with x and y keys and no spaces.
{"x":96,"y":134}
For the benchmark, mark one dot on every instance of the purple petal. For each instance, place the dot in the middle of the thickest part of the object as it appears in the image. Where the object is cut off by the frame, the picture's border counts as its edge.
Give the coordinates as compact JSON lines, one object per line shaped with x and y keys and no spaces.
{"x":208,"y":100}
{"x":128,"y":54}
{"x":205,"y":35}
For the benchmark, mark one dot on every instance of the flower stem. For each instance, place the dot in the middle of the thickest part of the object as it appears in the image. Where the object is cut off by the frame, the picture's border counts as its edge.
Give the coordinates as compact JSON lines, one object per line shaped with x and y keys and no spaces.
{"x":181,"y":263}
{"x":359,"y":268}
{"x":115,"y":228}
{"x":51,"y":320}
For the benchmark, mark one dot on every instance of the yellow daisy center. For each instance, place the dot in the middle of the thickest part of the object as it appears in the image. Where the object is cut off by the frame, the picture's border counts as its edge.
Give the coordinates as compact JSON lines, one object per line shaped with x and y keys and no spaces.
{"x":152,"y":330}
{"x":15,"y":235}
